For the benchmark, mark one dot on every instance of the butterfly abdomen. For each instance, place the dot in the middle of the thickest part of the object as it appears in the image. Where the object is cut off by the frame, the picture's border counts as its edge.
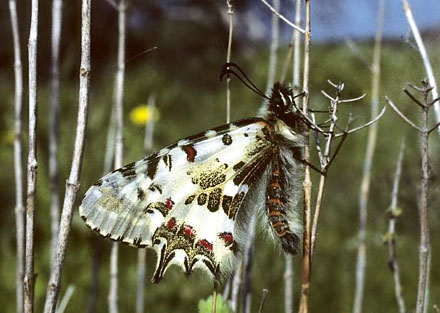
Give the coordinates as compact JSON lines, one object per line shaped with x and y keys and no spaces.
{"x":276,"y":208}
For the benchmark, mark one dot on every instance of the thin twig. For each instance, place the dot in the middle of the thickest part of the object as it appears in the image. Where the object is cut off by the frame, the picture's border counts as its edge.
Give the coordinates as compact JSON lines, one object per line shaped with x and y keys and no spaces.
{"x":366,"y":176}
{"x":273,"y":55}
{"x":65,"y":301}
{"x":263,"y":300}
{"x":72,"y":184}
{"x":236,"y":283}
{"x":119,"y":144}
{"x":403,"y":116}
{"x":29,"y":276}
{"x":307,"y":185}
{"x":247,"y":258}
{"x":142,"y":253}
{"x":53,"y":129}
{"x":94,"y":277}
{"x":391,"y":236}
{"x":18,"y":162}
{"x":228,"y":59}
{"x":423,"y":54}
{"x":302,"y":31}
{"x":353,"y":130}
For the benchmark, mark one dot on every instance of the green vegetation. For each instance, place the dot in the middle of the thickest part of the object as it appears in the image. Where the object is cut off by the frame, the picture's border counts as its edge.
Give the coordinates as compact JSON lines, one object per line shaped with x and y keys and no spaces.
{"x":189,"y":102}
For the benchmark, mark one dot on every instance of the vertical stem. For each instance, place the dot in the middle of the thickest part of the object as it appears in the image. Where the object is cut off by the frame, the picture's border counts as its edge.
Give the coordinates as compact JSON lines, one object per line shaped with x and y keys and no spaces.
{"x":366,"y":176}
{"x":306,"y":273}
{"x":29,"y":277}
{"x":228,"y":59}
{"x":72,"y":185}
{"x":394,"y":265}
{"x":18,"y":162}
{"x":424,"y":55}
{"x":53,"y":129}
{"x":288,"y":271}
{"x":424,"y":230}
{"x":247,"y":258}
{"x":273,"y":56}
{"x":236,"y":282}
{"x":119,"y":94}
{"x":94,"y":279}
{"x":142,"y":253}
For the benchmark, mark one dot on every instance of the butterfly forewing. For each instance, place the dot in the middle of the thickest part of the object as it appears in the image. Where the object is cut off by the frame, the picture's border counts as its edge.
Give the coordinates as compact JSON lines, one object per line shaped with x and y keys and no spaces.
{"x":183,"y":200}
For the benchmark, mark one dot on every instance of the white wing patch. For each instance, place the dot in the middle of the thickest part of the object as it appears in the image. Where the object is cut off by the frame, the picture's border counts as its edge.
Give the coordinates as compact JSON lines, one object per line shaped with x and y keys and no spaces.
{"x":183,"y":200}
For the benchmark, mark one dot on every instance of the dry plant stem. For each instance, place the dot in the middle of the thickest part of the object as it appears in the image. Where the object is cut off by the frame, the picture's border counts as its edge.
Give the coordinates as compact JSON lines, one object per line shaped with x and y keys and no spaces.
{"x":302,"y":31}
{"x":119,"y":145}
{"x":288,"y":270}
{"x":228,"y":59}
{"x":248,"y":255}
{"x":366,"y":176}
{"x":142,"y":253}
{"x":273,"y":55}
{"x":306,"y":266}
{"x":53,"y":129}
{"x":263,"y":300}
{"x":18,"y":162}
{"x":424,"y":55}
{"x":424,"y":228}
{"x":65,"y":301}
{"x":94,"y":277}
{"x":236,"y":283}
{"x":72,"y":185}
{"x":391,"y":236}
{"x":29,"y":275}
{"x":214,"y":299}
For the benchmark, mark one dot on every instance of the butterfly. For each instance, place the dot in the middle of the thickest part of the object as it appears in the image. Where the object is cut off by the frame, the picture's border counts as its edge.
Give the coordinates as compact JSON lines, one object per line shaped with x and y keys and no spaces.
{"x":191,"y":201}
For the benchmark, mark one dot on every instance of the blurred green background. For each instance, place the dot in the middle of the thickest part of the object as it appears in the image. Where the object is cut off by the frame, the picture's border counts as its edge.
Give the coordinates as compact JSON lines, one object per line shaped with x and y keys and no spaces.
{"x":183,"y":73}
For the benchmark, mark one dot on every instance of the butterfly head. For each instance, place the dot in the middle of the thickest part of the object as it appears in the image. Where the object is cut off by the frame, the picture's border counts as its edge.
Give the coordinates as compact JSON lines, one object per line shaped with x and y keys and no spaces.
{"x":282,"y":107}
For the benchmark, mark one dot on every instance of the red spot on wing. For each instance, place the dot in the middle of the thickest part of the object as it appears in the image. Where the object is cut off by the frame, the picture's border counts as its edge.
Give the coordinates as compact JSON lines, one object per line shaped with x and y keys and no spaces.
{"x":169,"y":203}
{"x":190,"y":152}
{"x":171,"y":223}
{"x":227,"y":237}
{"x":188,"y":231}
{"x":206,"y":244}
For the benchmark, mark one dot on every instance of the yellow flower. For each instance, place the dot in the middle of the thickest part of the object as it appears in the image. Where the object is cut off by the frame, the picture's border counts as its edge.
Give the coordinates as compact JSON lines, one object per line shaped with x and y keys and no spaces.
{"x":8,"y":137}
{"x":143,"y":114}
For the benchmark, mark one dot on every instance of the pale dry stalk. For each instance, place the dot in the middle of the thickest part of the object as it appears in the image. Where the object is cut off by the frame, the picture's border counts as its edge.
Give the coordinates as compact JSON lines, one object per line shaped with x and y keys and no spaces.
{"x":72,"y":184}
{"x":119,"y":145}
{"x":307,"y":185}
{"x":228,"y":59}
{"x":53,"y":128}
{"x":391,"y":236}
{"x":288,"y":268}
{"x":29,"y":275}
{"x":142,"y":253}
{"x":366,"y":176}
{"x":18,"y":162}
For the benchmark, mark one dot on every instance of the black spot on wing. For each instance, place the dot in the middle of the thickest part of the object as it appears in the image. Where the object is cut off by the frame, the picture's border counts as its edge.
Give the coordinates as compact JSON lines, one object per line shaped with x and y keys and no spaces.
{"x":227,"y":139}
{"x":214,"y":199}
{"x":226,"y":203}
{"x":201,"y":199}
{"x":190,"y":199}
{"x":168,"y":161}
{"x":98,"y":183}
{"x":140,"y":194}
{"x":153,"y":161}
{"x":238,"y":165}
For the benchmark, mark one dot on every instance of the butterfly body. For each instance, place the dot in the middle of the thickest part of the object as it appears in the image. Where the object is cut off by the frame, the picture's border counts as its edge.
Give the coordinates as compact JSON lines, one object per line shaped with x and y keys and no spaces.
{"x":191,"y":200}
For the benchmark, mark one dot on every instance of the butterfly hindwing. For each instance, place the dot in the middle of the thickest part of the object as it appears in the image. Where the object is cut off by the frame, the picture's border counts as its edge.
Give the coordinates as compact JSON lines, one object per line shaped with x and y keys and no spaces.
{"x":183,"y":200}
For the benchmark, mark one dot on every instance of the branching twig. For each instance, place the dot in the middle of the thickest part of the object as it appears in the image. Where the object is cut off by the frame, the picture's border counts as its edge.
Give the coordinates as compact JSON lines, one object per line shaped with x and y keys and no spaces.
{"x":366,"y":176}
{"x":72,"y":184}
{"x":29,"y":277}
{"x":423,"y":54}
{"x":391,"y":236}
{"x":424,"y":250}
{"x":274,"y":11}
{"x":403,"y":116}
{"x":18,"y":162}
{"x":53,"y":130}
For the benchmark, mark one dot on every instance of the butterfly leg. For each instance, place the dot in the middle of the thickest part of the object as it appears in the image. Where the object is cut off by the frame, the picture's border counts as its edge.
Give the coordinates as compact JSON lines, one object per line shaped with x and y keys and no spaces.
{"x":276,"y":204}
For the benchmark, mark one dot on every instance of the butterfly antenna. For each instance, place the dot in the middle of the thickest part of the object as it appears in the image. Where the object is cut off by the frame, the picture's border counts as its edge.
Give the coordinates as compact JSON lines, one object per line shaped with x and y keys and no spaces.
{"x":226,"y":70}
